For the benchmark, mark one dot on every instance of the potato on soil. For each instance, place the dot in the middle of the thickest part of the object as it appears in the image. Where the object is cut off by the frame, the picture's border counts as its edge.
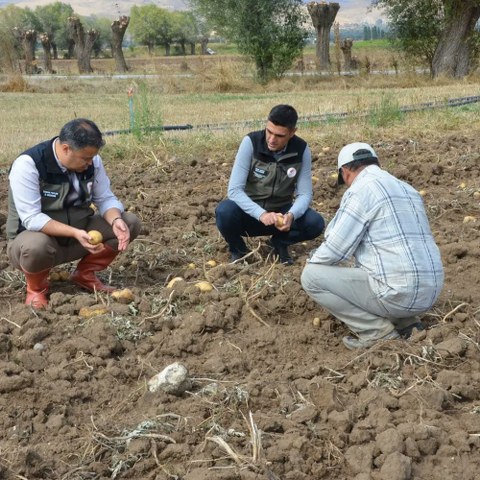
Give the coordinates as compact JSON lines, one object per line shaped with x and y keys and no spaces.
{"x":204,"y":286}
{"x":123,"y":296}
{"x":211,"y":263}
{"x":95,"y":237}
{"x":94,"y":311}
{"x":173,"y":281}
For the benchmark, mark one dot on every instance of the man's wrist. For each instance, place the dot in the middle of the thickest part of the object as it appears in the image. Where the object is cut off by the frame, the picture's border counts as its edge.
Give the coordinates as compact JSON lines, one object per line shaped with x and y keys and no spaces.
{"x":114,"y":220}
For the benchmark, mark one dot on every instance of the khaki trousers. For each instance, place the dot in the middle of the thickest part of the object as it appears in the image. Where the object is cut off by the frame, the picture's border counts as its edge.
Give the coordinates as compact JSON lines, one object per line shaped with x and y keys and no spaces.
{"x":346,"y":293}
{"x":36,"y":251}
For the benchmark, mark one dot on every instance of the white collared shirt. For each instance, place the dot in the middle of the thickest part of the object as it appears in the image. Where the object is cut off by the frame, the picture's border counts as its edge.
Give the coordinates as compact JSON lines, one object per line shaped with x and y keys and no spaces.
{"x":25,"y":185}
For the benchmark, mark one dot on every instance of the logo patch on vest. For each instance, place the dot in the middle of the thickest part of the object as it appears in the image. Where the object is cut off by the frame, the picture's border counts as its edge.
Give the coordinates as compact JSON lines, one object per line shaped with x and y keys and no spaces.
{"x":291,"y":172}
{"x":259,"y":172}
{"x":49,"y":194}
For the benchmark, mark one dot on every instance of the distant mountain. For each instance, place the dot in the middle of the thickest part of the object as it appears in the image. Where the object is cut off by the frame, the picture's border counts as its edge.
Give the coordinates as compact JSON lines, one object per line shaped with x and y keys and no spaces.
{"x":102,"y":8}
{"x":351,"y":11}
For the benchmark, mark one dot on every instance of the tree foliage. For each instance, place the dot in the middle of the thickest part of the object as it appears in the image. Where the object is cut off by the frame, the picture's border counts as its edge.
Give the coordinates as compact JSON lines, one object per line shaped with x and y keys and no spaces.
{"x":415,"y":25}
{"x":442,"y":32}
{"x":54,"y":22}
{"x":271,"y":32}
{"x":151,"y":26}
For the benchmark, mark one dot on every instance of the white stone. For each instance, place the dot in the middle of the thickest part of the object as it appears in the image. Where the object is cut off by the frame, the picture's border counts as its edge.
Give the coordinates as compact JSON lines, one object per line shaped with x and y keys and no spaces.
{"x":172,"y":379}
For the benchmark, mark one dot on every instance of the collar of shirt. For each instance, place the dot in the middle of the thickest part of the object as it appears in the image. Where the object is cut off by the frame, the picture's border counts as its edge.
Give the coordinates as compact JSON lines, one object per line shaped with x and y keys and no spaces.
{"x":62,"y":168}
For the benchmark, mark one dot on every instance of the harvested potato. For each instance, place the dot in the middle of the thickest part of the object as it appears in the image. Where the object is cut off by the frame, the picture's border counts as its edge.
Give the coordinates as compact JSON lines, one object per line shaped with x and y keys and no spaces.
{"x":95,"y":237}
{"x":315,"y":179}
{"x":123,"y":296}
{"x":54,"y":276}
{"x":211,"y":263}
{"x":280,"y":221}
{"x":88,"y":312}
{"x":422,"y":192}
{"x":469,"y":219}
{"x":192,"y":265}
{"x":204,"y":286}
{"x":173,"y":281}
{"x":64,"y":275}
{"x":316,"y":322}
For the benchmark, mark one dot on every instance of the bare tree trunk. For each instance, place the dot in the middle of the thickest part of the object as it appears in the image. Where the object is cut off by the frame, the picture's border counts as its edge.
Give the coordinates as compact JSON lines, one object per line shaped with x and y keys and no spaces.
{"x":83,"y":44}
{"x":54,"y":50}
{"x":323,"y":15}
{"x":29,"y":41}
{"x":192,"y":48}
{"x":167,"y":49}
{"x":453,"y":54}
{"x":346,"y":46}
{"x":47,"y":51}
{"x":203,"y":45}
{"x":119,"y":28}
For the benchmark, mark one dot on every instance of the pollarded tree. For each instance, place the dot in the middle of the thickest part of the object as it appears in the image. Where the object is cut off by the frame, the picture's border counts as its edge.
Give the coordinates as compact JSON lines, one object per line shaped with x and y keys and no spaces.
{"x":22,"y":25}
{"x":83,"y":43}
{"x":441,"y":31}
{"x":47,"y":52}
{"x":271,"y":32}
{"x":119,"y":27}
{"x":323,"y":15}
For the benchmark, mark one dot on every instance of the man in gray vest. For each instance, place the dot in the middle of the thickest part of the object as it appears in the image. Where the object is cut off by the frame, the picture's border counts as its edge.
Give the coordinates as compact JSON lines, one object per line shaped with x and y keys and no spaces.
{"x":52,"y":187}
{"x":270,"y":189}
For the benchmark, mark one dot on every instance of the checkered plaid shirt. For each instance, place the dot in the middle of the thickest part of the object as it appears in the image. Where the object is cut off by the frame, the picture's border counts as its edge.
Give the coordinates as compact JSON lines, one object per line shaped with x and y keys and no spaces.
{"x":383,"y":225}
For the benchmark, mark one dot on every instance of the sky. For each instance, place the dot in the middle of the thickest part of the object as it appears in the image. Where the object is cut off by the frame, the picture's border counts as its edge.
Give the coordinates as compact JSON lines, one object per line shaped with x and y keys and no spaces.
{"x":351,"y":11}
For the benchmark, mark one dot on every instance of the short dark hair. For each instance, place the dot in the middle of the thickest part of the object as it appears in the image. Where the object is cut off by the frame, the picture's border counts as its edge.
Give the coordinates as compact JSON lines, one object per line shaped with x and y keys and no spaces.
{"x":284,"y":116}
{"x":80,"y":133}
{"x":366,"y":158}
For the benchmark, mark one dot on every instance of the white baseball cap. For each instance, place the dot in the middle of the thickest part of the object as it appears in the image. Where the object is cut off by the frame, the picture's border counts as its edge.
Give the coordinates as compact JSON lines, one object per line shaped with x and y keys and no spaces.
{"x":354,"y":151}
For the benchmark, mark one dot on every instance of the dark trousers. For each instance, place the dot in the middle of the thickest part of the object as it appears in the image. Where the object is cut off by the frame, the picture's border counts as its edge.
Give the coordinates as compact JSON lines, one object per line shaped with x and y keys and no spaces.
{"x":233,"y":223}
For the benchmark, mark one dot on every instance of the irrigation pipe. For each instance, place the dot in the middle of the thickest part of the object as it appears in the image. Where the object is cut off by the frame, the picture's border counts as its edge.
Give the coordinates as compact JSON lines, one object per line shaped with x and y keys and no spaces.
{"x":453,"y":102}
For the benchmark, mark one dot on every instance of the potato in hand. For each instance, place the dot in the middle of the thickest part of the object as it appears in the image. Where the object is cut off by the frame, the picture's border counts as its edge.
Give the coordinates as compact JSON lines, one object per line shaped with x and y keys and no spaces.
{"x":95,"y":237}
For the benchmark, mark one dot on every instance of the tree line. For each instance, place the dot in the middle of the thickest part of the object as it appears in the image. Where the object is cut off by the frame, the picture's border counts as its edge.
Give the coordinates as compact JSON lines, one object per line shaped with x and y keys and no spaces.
{"x":272,"y":33}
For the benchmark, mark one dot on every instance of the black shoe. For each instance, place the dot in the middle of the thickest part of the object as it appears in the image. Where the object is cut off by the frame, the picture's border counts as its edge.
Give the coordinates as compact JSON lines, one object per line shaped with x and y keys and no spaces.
{"x":407,"y":331}
{"x":237,"y":256}
{"x":281,"y":251}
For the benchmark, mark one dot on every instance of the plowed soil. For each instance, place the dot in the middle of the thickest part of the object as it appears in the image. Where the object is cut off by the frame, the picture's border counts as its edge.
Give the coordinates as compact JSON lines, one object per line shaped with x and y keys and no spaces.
{"x":273,"y":394}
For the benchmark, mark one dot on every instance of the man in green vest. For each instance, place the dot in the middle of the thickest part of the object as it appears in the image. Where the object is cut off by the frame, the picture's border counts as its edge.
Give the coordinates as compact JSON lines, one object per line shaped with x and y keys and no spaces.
{"x":270,"y":189}
{"x":52,"y":187}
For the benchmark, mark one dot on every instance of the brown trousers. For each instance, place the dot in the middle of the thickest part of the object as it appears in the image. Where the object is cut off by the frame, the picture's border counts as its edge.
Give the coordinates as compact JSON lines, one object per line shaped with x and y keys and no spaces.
{"x":36,"y":251}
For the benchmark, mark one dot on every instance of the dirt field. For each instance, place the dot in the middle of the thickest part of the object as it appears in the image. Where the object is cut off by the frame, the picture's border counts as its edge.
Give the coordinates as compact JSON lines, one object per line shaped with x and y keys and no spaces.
{"x":272,"y":395}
